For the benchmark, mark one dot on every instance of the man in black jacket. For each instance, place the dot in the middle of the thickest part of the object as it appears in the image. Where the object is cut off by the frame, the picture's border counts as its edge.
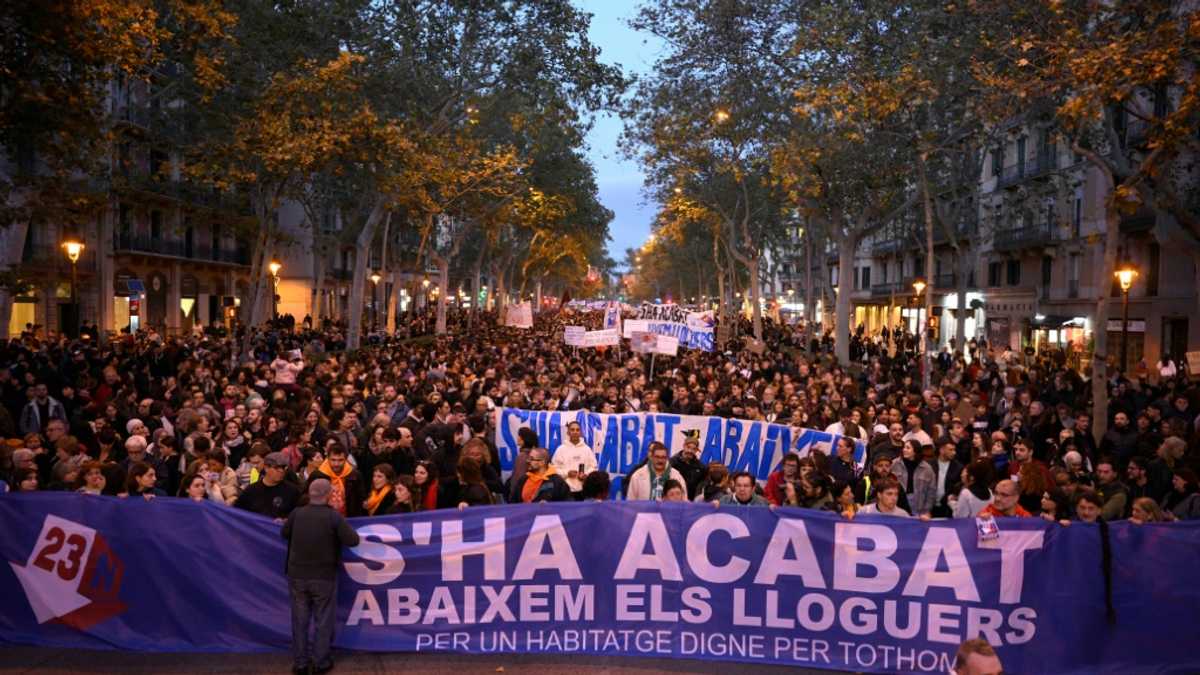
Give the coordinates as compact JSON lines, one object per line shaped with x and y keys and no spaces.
{"x":349,"y":488}
{"x":315,"y":534}
{"x":688,"y":463}
{"x":947,"y":476}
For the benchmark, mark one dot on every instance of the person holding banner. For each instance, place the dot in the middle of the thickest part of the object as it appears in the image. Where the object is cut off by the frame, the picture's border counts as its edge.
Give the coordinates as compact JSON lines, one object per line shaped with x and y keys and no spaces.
{"x":743,"y":493}
{"x":574,"y":459}
{"x":649,"y":482}
{"x":887,"y":498}
{"x":316,"y":535}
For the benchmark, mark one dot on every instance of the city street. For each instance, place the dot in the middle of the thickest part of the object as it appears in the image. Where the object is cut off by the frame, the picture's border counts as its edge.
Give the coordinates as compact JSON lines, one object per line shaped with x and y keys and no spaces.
{"x":23,"y":660}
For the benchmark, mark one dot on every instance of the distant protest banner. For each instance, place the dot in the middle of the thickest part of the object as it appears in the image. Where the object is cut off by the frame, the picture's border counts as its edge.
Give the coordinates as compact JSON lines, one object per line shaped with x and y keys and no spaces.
{"x":519,"y":315}
{"x":694,"y":330}
{"x":573,"y":336}
{"x":793,"y":587}
{"x":612,"y":316}
{"x":653,"y":343}
{"x":601,"y":338}
{"x":621,"y":441}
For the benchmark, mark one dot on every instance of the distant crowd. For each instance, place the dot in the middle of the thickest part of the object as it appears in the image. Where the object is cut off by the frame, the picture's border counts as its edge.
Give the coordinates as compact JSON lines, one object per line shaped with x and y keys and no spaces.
{"x":404,"y":423}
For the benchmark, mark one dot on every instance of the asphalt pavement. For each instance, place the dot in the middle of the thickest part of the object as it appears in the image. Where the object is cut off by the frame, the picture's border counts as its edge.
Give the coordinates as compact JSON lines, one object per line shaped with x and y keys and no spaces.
{"x":14,"y":660}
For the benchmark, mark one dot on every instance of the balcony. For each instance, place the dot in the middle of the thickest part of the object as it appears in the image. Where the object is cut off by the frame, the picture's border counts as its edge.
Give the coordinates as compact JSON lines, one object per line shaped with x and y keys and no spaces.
{"x":1041,"y":166}
{"x":50,"y":256}
{"x":887,"y":247}
{"x":946,"y":280}
{"x":125,"y":242}
{"x":183,"y":191}
{"x":898,"y":288}
{"x":1022,"y":237}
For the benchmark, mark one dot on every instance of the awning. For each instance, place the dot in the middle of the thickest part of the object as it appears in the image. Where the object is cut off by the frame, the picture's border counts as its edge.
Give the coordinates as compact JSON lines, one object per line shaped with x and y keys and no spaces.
{"x":1054,"y":321}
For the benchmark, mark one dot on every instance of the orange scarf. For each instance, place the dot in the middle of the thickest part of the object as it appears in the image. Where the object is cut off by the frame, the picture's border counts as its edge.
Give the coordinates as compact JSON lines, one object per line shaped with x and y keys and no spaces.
{"x":534,"y":481}
{"x":377,"y":497}
{"x":337,"y":498}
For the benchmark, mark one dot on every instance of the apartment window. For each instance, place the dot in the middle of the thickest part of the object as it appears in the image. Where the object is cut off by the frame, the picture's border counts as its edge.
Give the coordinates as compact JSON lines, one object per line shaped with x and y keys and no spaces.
{"x":1014,"y":272}
{"x":971,"y":278}
{"x":158,"y":162}
{"x":156,"y":225}
{"x":1152,"y":269}
{"x":994,"y":271}
{"x":997,"y":161}
{"x":1162,"y":102}
{"x":125,"y":218}
{"x":866,"y":278}
{"x":1046,"y":149}
{"x":1073,"y":276}
{"x":189,"y":240}
{"x":1120,"y":121}
{"x":1047,"y":273}
{"x":1077,"y":216}
{"x":1021,"y":156}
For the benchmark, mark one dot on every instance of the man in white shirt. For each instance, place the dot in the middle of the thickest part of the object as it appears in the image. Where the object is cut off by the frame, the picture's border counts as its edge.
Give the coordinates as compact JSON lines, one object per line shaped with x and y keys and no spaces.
{"x":916,"y":433}
{"x":573,"y":455}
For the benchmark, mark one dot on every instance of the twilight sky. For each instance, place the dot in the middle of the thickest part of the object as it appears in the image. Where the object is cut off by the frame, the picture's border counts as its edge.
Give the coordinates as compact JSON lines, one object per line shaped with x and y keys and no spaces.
{"x":619,"y":180}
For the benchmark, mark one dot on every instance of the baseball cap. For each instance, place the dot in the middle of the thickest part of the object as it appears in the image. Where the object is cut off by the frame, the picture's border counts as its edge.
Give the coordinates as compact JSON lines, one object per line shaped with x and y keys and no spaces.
{"x":275,"y":459}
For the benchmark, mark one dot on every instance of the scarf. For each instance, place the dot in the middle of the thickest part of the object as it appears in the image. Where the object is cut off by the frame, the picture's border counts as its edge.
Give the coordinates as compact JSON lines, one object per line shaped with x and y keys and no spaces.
{"x":376,"y":498}
{"x":533,"y":482}
{"x":337,"y":498}
{"x":657,"y":482}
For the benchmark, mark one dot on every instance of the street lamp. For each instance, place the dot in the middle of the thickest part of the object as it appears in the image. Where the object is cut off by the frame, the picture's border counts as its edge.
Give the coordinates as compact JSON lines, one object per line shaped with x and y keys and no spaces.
{"x":274,"y":266}
{"x":375,"y":300}
{"x":1125,"y":276}
{"x":74,"y":248}
{"x":919,"y":286}
{"x":721,"y":116}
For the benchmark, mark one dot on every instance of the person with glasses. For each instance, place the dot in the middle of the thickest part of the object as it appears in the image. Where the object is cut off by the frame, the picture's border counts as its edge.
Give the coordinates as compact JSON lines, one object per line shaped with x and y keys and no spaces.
{"x":1005,"y":500}
{"x":541,"y":483}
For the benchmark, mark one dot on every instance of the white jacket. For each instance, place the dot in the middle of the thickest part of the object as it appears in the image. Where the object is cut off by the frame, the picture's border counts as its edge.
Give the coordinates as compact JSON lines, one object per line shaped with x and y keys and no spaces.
{"x":568,"y":457}
{"x":639,"y":482}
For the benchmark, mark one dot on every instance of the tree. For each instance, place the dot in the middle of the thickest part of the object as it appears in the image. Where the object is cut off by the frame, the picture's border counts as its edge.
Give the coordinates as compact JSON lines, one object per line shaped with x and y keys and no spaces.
{"x":59,"y":61}
{"x":1120,"y":82}
{"x":707,"y":119}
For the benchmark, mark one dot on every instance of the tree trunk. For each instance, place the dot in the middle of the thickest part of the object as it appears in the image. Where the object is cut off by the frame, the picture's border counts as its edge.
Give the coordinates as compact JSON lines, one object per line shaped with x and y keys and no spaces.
{"x":393,"y":303}
{"x":443,"y":290}
{"x":755,"y":296}
{"x":841,"y":317}
{"x":930,"y":280}
{"x":810,"y":310}
{"x":259,"y":273}
{"x":362,"y":261}
{"x":1112,"y":241}
{"x":960,"y":282}
{"x":318,"y":270}
{"x":537,"y":306}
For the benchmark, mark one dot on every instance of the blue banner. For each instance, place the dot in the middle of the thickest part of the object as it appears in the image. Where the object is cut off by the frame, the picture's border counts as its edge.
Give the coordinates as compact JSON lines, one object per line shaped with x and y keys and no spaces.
{"x":752,"y":585}
{"x":621,"y":441}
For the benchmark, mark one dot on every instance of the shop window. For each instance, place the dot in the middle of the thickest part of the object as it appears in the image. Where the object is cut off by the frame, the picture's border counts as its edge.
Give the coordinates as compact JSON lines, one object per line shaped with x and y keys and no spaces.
{"x":994,"y":271}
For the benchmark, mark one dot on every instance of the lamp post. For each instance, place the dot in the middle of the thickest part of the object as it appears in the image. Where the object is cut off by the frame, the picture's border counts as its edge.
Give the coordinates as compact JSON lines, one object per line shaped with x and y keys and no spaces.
{"x":918,"y":288}
{"x":274,"y":266}
{"x":74,"y":248}
{"x":1125,"y":276}
{"x":375,"y":301}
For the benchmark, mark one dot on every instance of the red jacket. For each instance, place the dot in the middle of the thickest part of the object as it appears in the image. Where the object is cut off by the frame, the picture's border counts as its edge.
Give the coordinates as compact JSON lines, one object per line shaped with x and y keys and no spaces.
{"x":990,"y":510}
{"x":774,"y":491}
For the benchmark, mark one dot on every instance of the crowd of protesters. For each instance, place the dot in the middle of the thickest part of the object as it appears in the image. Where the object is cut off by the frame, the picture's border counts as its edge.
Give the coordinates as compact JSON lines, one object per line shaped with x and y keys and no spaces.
{"x":404,"y":423}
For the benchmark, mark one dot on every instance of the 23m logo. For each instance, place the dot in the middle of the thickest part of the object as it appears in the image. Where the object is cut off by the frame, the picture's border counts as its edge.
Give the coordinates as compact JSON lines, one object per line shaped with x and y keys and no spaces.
{"x":72,"y":575}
